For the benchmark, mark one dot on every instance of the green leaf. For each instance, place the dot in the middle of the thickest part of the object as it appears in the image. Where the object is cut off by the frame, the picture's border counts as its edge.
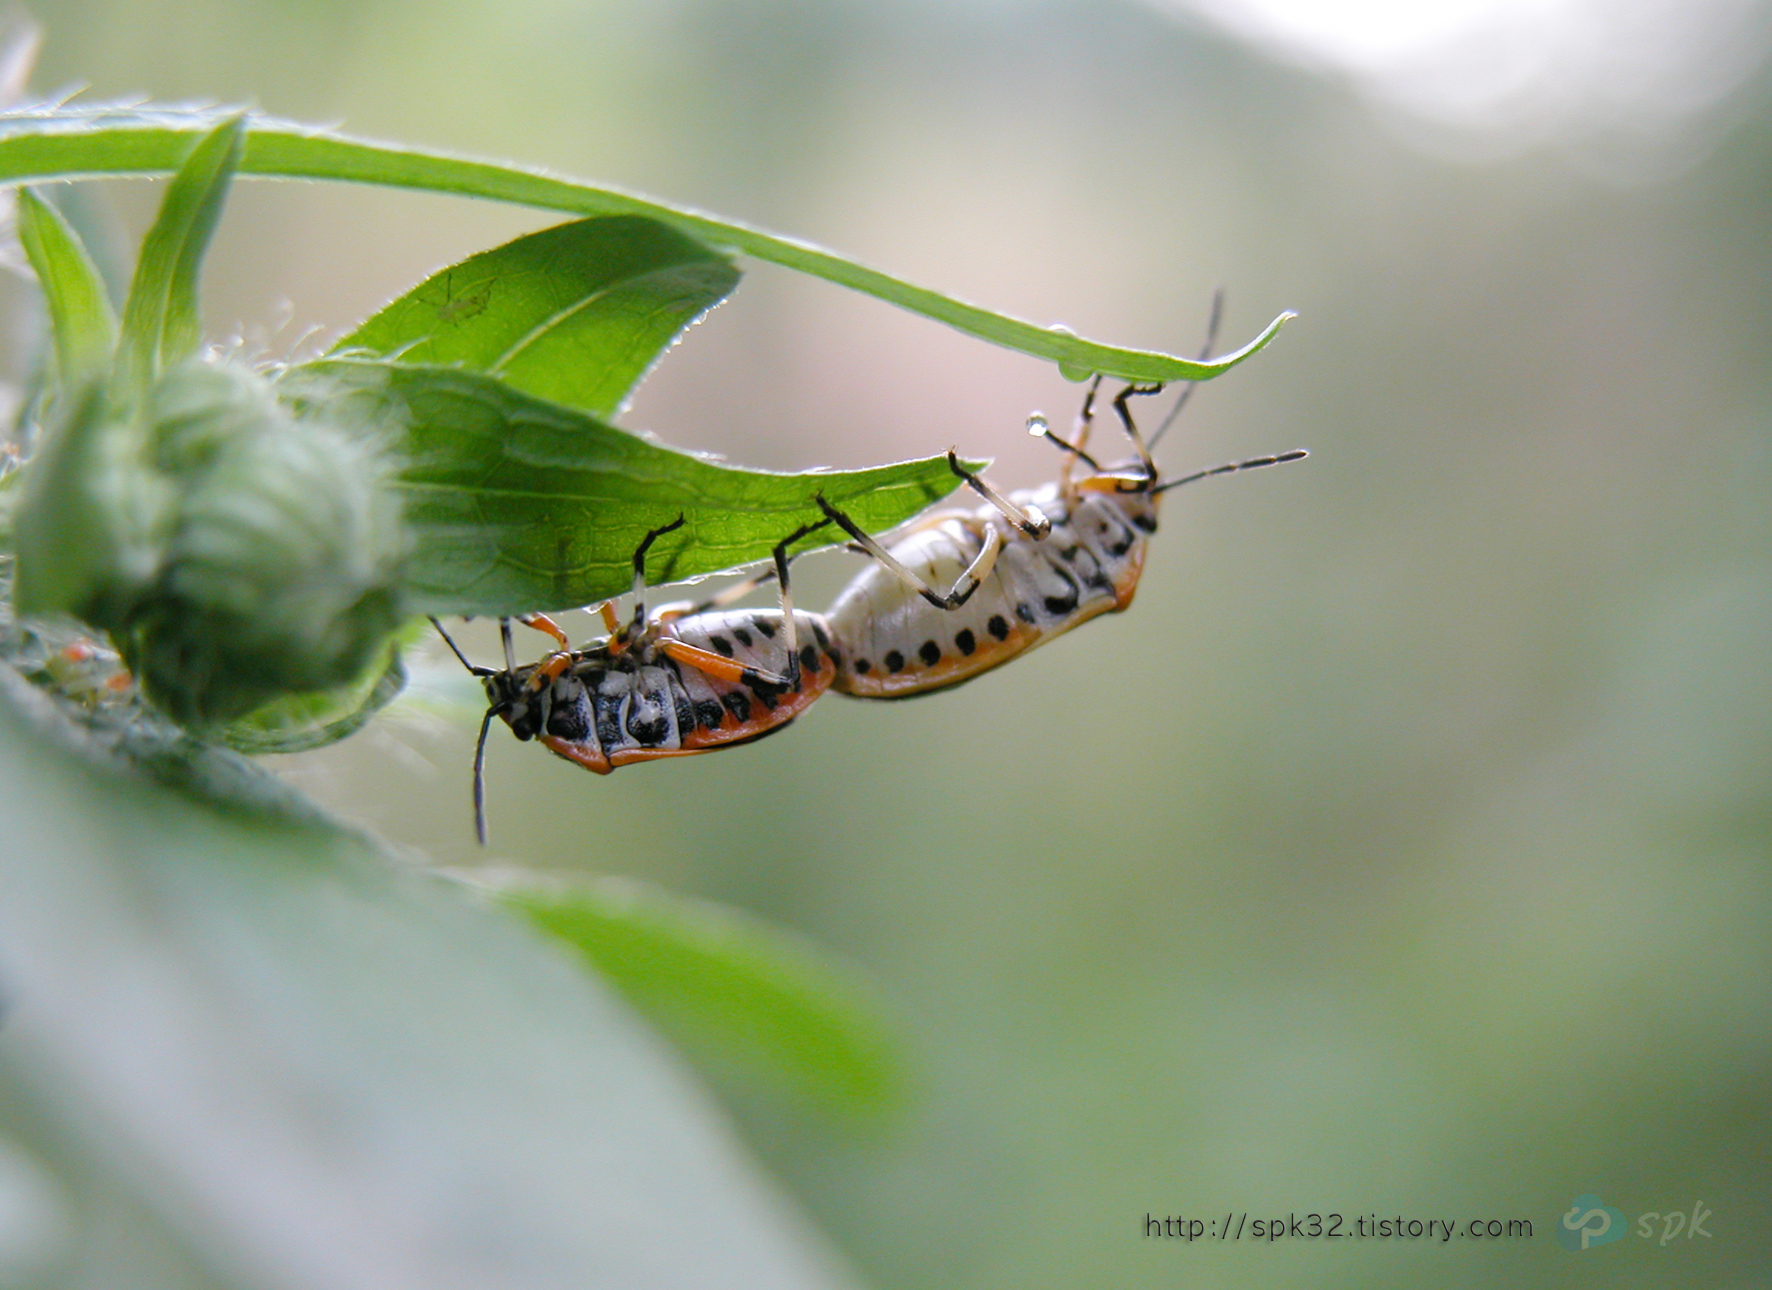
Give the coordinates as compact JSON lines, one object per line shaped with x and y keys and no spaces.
{"x":81,"y":321}
{"x":576,"y":313}
{"x":518,"y":505}
{"x":247,"y":1039}
{"x":71,"y":142}
{"x":729,"y":982}
{"x":161,"y":322}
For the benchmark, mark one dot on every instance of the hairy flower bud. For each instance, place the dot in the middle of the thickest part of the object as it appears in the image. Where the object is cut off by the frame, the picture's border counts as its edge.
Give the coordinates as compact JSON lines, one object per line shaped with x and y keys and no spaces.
{"x":245,"y":552}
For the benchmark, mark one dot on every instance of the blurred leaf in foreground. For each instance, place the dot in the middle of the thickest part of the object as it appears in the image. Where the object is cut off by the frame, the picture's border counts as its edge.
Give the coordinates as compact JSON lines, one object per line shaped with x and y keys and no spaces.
{"x":716,"y":977}
{"x":252,"y":1053}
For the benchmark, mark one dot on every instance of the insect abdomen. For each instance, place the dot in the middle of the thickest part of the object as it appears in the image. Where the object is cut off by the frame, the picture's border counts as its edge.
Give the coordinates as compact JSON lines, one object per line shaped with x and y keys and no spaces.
{"x":899,"y":645}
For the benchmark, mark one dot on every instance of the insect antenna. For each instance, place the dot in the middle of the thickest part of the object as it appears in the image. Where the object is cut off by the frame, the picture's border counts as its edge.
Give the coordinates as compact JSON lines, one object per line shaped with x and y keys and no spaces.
{"x":1205,"y":353}
{"x":456,"y":650}
{"x":485,"y":722}
{"x":1254,"y":463}
{"x":480,"y":773}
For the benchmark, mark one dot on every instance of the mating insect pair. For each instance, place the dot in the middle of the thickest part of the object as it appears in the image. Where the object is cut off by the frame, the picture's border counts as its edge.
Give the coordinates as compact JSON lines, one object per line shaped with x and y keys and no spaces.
{"x":688,"y":679}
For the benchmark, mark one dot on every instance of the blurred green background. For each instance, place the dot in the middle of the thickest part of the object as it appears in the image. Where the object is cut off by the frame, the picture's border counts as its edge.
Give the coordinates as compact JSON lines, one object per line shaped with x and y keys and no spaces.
{"x":1404,"y":850}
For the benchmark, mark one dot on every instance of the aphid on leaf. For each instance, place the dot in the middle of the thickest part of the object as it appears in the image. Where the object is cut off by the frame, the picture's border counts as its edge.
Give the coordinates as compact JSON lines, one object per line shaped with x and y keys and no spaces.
{"x":1021,"y":570}
{"x":687,"y":679}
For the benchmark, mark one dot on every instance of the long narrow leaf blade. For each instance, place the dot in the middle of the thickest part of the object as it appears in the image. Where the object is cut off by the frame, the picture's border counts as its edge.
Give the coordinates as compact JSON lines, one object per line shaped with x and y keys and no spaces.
{"x":161,"y":323}
{"x":80,"y":315}
{"x":517,"y":504}
{"x":575,"y":314}
{"x":69,"y":142}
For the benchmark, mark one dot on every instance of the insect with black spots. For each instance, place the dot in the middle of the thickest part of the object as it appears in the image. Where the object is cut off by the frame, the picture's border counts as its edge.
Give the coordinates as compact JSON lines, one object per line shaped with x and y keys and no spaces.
{"x":1021,"y":570}
{"x":685,"y":679}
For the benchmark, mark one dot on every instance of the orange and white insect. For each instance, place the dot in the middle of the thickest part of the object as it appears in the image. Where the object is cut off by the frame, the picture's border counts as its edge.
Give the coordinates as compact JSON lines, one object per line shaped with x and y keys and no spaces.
{"x":686,"y":679}
{"x":1021,"y":569}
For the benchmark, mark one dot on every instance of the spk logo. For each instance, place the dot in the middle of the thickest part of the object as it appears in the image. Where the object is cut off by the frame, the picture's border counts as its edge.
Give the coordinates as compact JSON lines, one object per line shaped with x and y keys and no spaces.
{"x":1591,"y":1222}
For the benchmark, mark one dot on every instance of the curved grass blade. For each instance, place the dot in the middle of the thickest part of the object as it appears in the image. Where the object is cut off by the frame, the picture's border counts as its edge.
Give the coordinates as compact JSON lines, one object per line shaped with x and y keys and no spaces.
{"x":517,"y":504}
{"x":81,"y":320}
{"x":161,"y":323}
{"x":719,"y":980}
{"x":576,"y":314}
{"x":74,"y":142}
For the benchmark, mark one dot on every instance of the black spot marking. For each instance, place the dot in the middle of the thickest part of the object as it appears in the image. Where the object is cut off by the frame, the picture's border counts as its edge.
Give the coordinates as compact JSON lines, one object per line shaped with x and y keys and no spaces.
{"x":998,"y":627}
{"x":966,"y":640}
{"x":824,"y":640}
{"x":1069,"y":553}
{"x":1024,"y":612}
{"x":571,"y":718}
{"x":766,"y":627}
{"x":1146,"y":522}
{"x":894,"y":662}
{"x":685,"y":708}
{"x":863,"y":667}
{"x":648,"y":722}
{"x":738,"y":705}
{"x":744,"y":637}
{"x":809,"y":658}
{"x":721,"y":644}
{"x":765,"y":690}
{"x":930,"y":653}
{"x":608,"y":709}
{"x":1066,"y":601}
{"x":709,"y":714}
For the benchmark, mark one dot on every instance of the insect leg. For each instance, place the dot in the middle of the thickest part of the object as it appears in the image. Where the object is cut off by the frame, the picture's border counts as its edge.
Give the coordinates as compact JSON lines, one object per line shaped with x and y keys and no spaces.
{"x":1029,"y":521}
{"x":1080,"y":438}
{"x":790,"y":637}
{"x":639,"y":619}
{"x":1038,"y":427}
{"x":1125,"y":415}
{"x":542,"y":623}
{"x":718,"y":666}
{"x":737,"y":591}
{"x":968,"y":582}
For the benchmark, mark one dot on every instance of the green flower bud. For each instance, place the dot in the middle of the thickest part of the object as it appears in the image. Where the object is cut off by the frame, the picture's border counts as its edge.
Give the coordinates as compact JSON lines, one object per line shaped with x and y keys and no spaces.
{"x":244,"y":552}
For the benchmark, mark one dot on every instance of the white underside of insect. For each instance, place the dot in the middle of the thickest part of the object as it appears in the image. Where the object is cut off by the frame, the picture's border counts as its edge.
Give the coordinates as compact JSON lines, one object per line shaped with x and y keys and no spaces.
{"x":1021,"y":570}
{"x":896,"y":643}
